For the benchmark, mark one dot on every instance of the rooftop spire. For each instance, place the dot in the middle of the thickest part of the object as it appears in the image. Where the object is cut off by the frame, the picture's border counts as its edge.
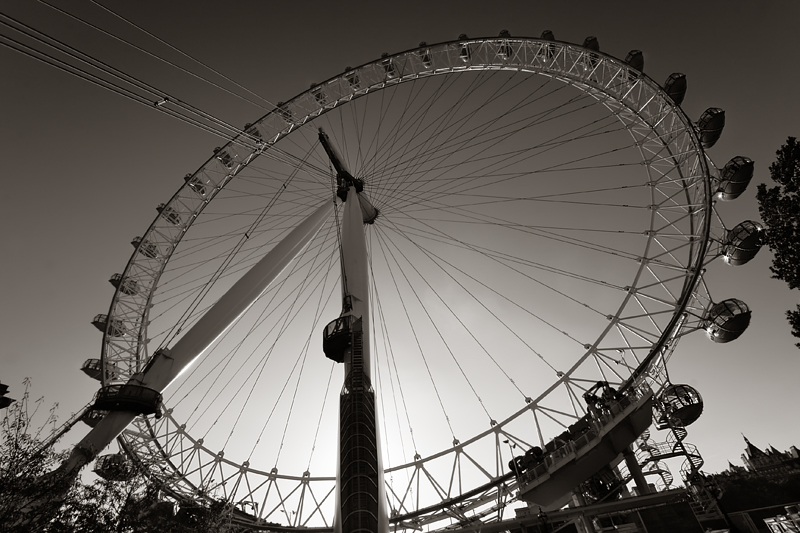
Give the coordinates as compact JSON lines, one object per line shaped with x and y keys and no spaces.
{"x":751,"y":449}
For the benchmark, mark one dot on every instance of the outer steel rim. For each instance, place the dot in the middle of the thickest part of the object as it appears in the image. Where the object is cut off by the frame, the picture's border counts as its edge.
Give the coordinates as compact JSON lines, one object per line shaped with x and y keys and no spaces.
{"x":622,"y":89}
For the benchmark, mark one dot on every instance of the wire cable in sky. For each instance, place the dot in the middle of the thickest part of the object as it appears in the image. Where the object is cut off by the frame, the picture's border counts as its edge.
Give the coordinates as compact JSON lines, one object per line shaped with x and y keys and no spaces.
{"x":91,"y":78}
{"x":152,"y":96}
{"x":163,"y":60}
{"x":162,"y":41}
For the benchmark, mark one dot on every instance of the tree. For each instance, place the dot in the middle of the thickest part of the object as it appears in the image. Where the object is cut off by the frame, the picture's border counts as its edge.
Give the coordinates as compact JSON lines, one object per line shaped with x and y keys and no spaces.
{"x":35,"y":496}
{"x":25,"y":464}
{"x":750,"y":492}
{"x":779,"y":208}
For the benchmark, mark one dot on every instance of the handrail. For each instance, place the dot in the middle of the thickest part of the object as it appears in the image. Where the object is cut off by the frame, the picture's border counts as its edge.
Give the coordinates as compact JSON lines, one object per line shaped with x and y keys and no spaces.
{"x":571,"y":447}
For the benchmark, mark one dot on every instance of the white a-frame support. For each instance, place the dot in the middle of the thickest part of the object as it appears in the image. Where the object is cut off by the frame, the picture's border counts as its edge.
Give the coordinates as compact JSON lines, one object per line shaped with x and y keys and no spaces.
{"x":167,"y":364}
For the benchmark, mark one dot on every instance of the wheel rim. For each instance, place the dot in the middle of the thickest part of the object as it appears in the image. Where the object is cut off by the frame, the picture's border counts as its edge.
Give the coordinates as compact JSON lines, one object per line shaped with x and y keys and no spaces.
{"x":675,"y":179}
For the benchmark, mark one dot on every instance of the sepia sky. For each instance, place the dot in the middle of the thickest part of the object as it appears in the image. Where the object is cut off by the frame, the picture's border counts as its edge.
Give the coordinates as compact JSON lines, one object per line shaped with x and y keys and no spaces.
{"x":82,"y":169}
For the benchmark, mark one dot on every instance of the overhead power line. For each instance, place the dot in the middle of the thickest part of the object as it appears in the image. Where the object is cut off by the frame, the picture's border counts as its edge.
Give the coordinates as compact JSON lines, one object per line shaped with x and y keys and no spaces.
{"x":128,"y":86}
{"x":105,"y":84}
{"x":270,"y":106}
{"x":136,"y":89}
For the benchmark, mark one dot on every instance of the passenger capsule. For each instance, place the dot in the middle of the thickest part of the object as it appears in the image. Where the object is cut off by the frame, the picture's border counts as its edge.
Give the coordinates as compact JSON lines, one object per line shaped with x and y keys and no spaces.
{"x":635,"y":59}
{"x":145,"y":247}
{"x":116,"y":328}
{"x":196,"y":184}
{"x":92,"y":417}
{"x":504,"y":50}
{"x":742,"y":243}
{"x":727,"y":320}
{"x":224,"y":157}
{"x":425,"y":54}
{"x":128,"y":397}
{"x":466,"y":52}
{"x":735,"y":177}
{"x":284,"y":112}
{"x":127,"y":286}
{"x":710,"y":125}
{"x":318,"y":94}
{"x":352,"y":78}
{"x":591,"y":44}
{"x":682,"y":402}
{"x":94,"y":369}
{"x":550,"y":49}
{"x":675,"y":87}
{"x":252,"y":131}
{"x":114,"y":467}
{"x":388,"y":66}
{"x":169,"y":214}
{"x":159,"y":511}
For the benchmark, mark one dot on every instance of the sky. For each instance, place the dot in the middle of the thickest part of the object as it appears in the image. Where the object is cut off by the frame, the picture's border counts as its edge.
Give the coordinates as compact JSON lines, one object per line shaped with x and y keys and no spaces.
{"x":83,"y":169}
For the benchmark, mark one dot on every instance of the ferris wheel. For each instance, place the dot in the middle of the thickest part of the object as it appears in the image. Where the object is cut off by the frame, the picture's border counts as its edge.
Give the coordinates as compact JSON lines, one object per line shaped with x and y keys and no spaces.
{"x":537,"y":219}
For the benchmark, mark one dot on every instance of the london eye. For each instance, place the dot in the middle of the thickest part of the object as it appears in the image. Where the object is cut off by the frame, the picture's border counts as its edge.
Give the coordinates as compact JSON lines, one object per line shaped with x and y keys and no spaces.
{"x":528,"y":228}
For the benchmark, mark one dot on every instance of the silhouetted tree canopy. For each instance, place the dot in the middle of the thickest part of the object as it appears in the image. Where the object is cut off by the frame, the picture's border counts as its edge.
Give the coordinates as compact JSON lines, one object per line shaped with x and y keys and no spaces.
{"x":745,"y":493}
{"x":36,"y":496}
{"x":779,"y":207}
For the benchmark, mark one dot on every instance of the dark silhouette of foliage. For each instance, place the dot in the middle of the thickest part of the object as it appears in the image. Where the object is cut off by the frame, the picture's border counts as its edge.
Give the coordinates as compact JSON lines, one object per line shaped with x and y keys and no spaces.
{"x":36,"y":496}
{"x":26,"y":467}
{"x":743,"y":493}
{"x":779,"y":208}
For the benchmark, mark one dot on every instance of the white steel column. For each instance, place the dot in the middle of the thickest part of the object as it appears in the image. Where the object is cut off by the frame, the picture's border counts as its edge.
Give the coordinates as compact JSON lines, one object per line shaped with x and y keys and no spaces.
{"x":357,"y":212}
{"x":355,"y":273}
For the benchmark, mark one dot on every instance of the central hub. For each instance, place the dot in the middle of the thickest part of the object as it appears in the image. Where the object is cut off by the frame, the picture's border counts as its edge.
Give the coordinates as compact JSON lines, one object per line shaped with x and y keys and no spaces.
{"x":345,"y":180}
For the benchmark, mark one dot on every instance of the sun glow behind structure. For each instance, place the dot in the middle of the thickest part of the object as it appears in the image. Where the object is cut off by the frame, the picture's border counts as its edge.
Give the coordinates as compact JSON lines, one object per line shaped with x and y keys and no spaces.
{"x":466,"y":312}
{"x":514,"y":213}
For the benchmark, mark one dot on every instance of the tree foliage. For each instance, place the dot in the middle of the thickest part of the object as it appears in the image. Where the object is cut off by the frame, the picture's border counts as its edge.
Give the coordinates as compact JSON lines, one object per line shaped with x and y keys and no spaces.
{"x":36,"y":496}
{"x":743,"y":493}
{"x":26,"y":466}
{"x":779,"y":207}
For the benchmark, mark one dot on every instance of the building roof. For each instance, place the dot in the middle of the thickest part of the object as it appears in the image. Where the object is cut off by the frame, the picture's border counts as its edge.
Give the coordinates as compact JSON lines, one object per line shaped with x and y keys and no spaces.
{"x":751,"y":449}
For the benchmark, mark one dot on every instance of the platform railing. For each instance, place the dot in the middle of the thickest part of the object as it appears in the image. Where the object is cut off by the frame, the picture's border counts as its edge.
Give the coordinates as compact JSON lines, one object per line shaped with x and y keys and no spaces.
{"x":570,"y":448}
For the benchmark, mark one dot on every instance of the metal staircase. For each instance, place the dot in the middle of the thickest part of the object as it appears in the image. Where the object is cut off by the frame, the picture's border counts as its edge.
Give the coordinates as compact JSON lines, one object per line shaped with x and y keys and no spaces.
{"x":650,"y":451}
{"x":358,"y":444}
{"x":650,"y":455}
